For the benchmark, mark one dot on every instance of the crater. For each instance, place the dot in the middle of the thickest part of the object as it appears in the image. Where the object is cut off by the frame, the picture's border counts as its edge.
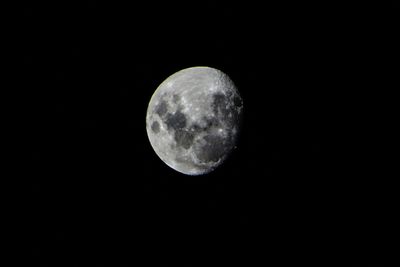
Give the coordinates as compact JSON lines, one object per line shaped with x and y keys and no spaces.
{"x":195,"y":128}
{"x":176,"y":98}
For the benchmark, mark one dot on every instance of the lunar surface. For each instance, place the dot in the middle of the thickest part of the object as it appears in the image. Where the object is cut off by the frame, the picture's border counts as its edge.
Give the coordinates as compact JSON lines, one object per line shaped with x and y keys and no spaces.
{"x":193,"y":119}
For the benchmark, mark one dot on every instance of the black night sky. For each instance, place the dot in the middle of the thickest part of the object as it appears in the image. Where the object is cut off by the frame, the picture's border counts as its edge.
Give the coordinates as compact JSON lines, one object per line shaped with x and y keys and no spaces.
{"x":296,"y":190}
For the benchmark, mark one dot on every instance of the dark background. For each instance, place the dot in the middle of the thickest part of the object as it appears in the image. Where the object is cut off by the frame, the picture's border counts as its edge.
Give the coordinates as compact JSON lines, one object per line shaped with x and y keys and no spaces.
{"x":300,"y":187}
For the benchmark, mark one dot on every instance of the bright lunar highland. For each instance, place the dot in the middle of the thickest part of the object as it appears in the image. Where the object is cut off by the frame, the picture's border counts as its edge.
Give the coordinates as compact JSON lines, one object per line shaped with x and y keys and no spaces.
{"x":193,"y":119}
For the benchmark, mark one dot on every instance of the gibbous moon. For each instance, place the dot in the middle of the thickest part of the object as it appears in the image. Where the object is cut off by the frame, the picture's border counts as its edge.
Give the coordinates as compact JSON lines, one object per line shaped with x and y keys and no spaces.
{"x":193,"y":119}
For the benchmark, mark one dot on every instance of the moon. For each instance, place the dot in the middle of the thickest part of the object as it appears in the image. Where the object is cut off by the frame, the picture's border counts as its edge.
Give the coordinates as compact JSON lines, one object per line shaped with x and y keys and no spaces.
{"x":193,"y":120}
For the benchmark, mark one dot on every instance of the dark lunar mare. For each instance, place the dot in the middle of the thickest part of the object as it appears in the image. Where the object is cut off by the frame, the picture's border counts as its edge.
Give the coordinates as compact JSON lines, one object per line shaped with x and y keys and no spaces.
{"x":161,"y":108}
{"x":155,"y":127}
{"x":225,"y":105}
{"x":213,"y":150}
{"x":175,"y":121}
{"x":219,"y":102}
{"x":184,"y":138}
{"x":210,"y":123}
